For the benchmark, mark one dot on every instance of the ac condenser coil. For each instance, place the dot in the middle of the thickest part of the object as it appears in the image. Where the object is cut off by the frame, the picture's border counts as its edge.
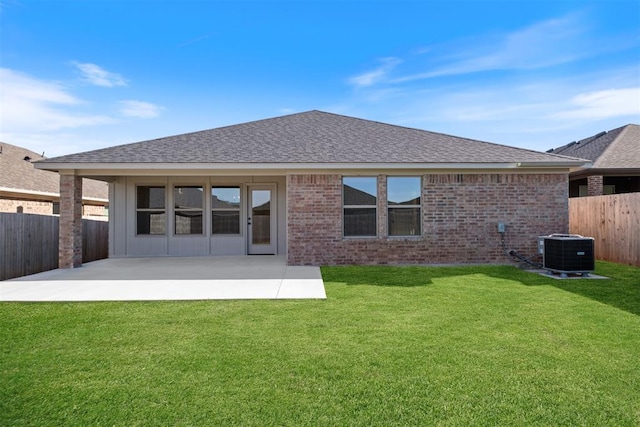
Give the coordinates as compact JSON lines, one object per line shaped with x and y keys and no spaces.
{"x":568,"y":254}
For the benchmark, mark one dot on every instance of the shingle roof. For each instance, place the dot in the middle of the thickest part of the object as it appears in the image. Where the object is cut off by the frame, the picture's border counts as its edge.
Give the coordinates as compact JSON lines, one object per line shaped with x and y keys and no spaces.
{"x":353,"y":196}
{"x":17,"y":172}
{"x":617,"y":149}
{"x":311,"y":137}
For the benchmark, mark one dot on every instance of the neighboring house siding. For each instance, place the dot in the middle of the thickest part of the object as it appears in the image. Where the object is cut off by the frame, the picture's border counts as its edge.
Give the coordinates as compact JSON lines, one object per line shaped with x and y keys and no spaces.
{"x":26,"y":206}
{"x":93,"y":210}
{"x":460,"y":213}
{"x":28,"y":190}
{"x":44,"y":207}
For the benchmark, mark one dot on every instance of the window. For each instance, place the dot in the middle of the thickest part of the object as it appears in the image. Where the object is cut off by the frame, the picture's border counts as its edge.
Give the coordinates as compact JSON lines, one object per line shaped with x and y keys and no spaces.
{"x":403,"y":204}
{"x":225,"y":210}
{"x":360,"y":198}
{"x":583,"y":191}
{"x":188,"y":213}
{"x":150,"y":210}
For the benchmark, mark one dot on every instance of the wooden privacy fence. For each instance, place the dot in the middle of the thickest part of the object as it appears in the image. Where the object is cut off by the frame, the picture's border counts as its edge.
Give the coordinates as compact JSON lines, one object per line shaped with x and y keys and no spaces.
{"x":29,"y":243}
{"x":613,"y":221}
{"x":95,"y":240}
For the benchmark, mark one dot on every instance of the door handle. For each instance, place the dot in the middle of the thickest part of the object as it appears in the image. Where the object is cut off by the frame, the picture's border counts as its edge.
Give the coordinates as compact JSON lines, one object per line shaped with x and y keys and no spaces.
{"x":248,"y":221}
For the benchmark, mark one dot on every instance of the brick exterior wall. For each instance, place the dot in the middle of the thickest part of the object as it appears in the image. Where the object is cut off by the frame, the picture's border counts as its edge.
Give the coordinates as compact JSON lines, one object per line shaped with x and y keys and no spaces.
{"x":460,"y":213}
{"x":44,"y":207}
{"x":70,"y":246}
{"x":94,"y":210}
{"x":595,"y":185}
{"x":39,"y":207}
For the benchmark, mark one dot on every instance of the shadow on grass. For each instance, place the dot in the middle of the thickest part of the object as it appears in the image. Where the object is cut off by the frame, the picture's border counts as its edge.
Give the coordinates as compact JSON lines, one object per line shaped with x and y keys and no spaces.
{"x":621,"y":290}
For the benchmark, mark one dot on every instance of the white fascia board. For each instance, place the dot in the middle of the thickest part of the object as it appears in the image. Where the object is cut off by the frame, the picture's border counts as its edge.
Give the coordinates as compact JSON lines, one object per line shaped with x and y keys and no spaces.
{"x":115,"y":169}
{"x":95,"y":199}
{"x":266,"y":166}
{"x":572,"y":165}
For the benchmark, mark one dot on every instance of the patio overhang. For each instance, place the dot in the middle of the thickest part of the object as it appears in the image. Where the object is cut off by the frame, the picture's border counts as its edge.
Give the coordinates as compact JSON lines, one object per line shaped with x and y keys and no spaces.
{"x":108,"y":171}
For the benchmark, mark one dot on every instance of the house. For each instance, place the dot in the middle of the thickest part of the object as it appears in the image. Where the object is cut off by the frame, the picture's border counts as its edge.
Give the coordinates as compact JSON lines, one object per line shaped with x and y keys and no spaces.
{"x":616,"y":162}
{"x":320,"y":188}
{"x":28,"y":190}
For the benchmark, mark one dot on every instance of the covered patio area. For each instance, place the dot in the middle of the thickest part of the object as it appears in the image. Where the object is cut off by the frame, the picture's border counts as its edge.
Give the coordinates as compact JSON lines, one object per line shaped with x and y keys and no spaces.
{"x":170,"y":278}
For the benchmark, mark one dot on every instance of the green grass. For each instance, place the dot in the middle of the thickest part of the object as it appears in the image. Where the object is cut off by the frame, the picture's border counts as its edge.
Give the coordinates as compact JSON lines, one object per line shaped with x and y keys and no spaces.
{"x":485,"y":345}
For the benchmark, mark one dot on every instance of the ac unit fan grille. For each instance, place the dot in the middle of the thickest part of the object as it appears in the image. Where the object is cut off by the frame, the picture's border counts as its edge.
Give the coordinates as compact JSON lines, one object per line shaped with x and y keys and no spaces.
{"x":569,"y":255}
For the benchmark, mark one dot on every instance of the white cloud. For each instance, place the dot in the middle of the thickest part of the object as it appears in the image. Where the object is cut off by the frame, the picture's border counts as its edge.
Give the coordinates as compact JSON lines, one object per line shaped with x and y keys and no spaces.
{"x":603,"y":104}
{"x":140,"y":109}
{"x":195,"y":40}
{"x":524,"y":111}
{"x":32,"y":105}
{"x":543,"y":44}
{"x":54,"y":144}
{"x":47,"y":116}
{"x":98,"y":76}
{"x":377,"y":75}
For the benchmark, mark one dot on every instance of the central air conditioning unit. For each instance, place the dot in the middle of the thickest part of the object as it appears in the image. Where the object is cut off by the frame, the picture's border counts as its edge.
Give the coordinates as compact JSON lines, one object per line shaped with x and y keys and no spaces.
{"x":567,"y":254}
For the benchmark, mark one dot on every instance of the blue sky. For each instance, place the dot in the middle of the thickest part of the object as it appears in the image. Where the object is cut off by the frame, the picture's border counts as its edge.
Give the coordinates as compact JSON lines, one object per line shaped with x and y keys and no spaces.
{"x":79,"y":75}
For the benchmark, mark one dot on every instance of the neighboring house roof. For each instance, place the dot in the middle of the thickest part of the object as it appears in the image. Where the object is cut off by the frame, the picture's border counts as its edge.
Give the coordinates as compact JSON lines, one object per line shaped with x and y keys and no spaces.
{"x":616,"y":149}
{"x":223,"y":204}
{"x":190,"y":198}
{"x":355,"y":197}
{"x":18,"y":176}
{"x":307,"y":139}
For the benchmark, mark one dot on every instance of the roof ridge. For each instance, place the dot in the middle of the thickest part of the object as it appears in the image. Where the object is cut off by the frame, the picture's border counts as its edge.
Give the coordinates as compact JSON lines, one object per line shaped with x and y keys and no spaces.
{"x":588,"y":140}
{"x":18,"y":147}
{"x":623,"y":130}
{"x":445,"y":134}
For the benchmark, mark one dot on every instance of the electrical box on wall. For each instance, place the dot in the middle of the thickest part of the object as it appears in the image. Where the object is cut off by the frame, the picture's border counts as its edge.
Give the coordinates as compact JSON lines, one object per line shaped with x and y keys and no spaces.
{"x":541,"y":245}
{"x":501,"y":227}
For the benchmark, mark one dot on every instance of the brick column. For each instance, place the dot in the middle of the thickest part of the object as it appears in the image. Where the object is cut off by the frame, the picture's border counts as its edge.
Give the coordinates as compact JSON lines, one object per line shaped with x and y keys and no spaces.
{"x":595,"y":185}
{"x":70,"y":240}
{"x":382,"y":207}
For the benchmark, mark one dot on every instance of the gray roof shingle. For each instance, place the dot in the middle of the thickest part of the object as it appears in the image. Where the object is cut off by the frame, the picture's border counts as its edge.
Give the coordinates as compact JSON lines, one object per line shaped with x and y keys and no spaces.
{"x":311,"y":137}
{"x":616,"y":149}
{"x":16,"y":173}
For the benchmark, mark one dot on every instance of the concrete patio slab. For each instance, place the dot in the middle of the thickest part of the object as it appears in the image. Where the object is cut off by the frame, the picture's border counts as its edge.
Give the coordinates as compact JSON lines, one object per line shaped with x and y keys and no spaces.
{"x":170,"y":278}
{"x":558,"y":276}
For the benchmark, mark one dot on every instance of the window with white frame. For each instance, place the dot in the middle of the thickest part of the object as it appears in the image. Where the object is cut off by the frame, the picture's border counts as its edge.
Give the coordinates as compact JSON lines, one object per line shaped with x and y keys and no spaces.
{"x":188,"y":201}
{"x":403,"y":206}
{"x":225,"y":210}
{"x":151,"y":218}
{"x":360,"y":199}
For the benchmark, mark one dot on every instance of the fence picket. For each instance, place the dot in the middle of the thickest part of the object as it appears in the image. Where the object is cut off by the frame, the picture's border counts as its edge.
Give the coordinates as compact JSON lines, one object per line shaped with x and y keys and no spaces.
{"x":613,"y":221}
{"x":29,"y":243}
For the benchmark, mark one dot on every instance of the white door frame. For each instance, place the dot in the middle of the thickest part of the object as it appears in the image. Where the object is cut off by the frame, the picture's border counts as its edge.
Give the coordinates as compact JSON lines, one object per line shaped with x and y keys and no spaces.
{"x":270,"y":248}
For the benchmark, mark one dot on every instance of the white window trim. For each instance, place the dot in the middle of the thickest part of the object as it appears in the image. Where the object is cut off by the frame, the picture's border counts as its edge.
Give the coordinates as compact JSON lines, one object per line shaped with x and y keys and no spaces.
{"x":175,"y":210}
{"x":375,"y":207}
{"x":164,"y":209}
{"x":419,"y":206}
{"x":238,"y":209}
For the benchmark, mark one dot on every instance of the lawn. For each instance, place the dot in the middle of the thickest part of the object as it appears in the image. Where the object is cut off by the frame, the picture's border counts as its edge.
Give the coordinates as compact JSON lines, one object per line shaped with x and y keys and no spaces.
{"x":488,"y":345}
